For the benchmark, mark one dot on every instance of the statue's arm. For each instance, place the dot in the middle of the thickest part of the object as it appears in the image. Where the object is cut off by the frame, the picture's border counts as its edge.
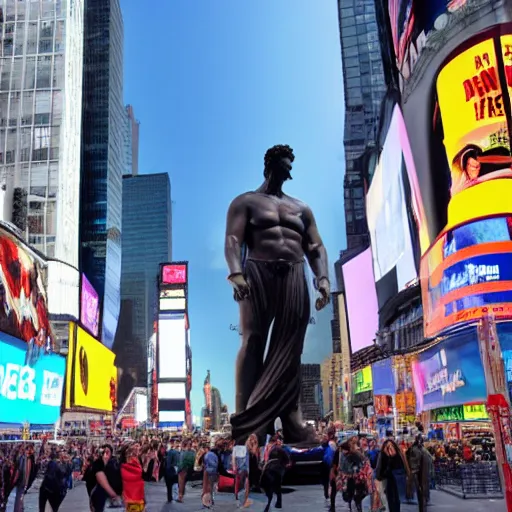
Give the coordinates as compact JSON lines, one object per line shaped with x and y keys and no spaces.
{"x":235,"y":230}
{"x":314,"y":247}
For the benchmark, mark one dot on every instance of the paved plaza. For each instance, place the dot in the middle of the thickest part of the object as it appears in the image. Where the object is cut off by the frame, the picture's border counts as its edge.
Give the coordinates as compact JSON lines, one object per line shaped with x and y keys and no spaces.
{"x":299,"y":499}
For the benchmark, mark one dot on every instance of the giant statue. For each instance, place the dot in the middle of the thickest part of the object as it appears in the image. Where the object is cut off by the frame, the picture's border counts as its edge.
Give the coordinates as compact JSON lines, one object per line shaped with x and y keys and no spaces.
{"x":269,"y":235}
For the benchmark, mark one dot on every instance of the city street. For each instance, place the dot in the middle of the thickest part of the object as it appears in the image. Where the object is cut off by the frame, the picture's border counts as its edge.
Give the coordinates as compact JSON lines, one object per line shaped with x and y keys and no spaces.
{"x":304,"y":498}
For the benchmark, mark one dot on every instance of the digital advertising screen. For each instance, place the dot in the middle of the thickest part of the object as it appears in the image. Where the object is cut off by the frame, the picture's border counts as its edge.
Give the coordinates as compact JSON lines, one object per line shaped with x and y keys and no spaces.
{"x":382,"y":378}
{"x":174,"y":273}
{"x":361,"y":298}
{"x":22,"y":290}
{"x":176,"y":417}
{"x":91,"y":378}
{"x":63,"y":290}
{"x":363,"y":380}
{"x":173,"y":304}
{"x":393,"y":230}
{"x":172,"y":391}
{"x":463,"y":273}
{"x":29,"y":391}
{"x":172,"y":347}
{"x":450,"y":373}
{"x":89,"y":307}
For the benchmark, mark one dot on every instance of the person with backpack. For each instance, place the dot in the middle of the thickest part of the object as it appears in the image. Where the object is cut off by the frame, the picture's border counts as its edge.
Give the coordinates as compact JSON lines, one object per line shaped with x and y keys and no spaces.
{"x":329,"y":447}
{"x":54,"y":486}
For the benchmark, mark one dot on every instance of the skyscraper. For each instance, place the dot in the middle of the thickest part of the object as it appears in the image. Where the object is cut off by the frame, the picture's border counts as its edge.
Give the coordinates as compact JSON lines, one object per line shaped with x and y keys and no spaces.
{"x":147,"y":242}
{"x":311,"y":392}
{"x":41,"y":67}
{"x":103,"y":156}
{"x":365,"y":86}
{"x":131,"y":143}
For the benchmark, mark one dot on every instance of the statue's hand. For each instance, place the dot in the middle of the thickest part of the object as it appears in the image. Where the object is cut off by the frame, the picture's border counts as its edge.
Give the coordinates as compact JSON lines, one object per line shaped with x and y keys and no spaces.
{"x":240,"y":285}
{"x":325,"y":291}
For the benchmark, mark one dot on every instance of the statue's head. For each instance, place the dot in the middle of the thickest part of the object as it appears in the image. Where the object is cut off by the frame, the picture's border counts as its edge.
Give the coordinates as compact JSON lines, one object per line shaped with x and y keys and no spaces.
{"x":278,"y":162}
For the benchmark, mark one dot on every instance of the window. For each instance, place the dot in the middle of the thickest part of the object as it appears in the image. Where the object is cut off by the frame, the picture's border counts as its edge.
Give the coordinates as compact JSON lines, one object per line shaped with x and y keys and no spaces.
{"x":42,"y":118}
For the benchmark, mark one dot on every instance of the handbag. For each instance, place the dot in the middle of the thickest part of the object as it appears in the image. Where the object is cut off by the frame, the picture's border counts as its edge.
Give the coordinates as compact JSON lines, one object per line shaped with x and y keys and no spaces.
{"x":226,"y":484}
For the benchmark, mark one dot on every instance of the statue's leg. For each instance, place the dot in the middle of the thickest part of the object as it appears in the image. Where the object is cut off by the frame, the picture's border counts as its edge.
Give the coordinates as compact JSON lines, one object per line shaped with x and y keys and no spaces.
{"x":254,"y":324}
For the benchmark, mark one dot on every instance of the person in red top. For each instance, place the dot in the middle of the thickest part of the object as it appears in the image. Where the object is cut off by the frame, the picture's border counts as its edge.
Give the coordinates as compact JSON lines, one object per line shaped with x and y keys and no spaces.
{"x":131,"y":475}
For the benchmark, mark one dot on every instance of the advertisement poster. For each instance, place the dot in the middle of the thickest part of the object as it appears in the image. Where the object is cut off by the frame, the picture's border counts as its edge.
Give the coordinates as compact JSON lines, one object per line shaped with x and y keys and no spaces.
{"x":465,"y":273}
{"x":32,"y":392}
{"x":450,"y":373}
{"x":23,"y":312}
{"x":91,"y":378}
{"x":89,"y":307}
{"x":383,"y":379}
{"x":174,"y":273}
{"x":363,"y":380}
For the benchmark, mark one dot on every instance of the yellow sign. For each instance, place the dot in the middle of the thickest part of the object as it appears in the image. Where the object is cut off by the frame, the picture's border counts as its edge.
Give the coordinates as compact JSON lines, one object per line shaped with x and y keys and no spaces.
{"x":363,"y":380}
{"x":475,"y":412}
{"x":91,"y":376}
{"x":472,"y":105}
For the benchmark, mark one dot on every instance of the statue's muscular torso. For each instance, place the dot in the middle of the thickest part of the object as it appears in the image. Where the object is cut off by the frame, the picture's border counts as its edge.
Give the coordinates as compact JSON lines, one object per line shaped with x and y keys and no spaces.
{"x":275,"y":226}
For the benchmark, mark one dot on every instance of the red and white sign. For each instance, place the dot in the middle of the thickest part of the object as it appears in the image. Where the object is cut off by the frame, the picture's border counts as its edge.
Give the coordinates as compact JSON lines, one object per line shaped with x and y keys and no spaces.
{"x":174,"y":274}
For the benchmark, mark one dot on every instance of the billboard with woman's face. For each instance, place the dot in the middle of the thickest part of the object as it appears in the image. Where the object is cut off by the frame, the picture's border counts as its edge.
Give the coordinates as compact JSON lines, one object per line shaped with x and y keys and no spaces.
{"x":465,"y":272}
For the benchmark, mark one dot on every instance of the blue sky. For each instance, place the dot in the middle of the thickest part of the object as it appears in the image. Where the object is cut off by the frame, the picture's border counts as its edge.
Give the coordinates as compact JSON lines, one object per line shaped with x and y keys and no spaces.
{"x":215,"y":84}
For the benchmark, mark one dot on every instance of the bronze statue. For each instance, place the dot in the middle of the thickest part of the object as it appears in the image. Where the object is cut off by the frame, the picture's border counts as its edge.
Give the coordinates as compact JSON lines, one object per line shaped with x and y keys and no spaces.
{"x":268,"y":234}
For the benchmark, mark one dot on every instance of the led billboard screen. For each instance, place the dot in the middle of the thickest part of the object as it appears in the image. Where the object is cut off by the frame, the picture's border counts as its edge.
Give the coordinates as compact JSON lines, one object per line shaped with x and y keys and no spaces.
{"x":450,"y":373}
{"x":361,"y":297}
{"x":393,"y":230}
{"x":174,"y":304}
{"x":173,"y":293}
{"x":363,"y":380}
{"x":463,"y":274}
{"x":63,"y":290}
{"x":172,"y":347}
{"x":174,"y":273}
{"x":172,"y":391}
{"x":29,"y":391}
{"x":89,"y":307}
{"x":171,"y":416}
{"x":23,"y":311}
{"x":91,"y":377}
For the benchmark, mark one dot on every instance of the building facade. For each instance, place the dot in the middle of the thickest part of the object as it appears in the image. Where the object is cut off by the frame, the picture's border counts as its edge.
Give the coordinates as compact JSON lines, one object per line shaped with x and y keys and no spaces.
{"x":147,"y":242}
{"x":103,"y":156}
{"x":310,"y":392}
{"x":41,"y":64}
{"x":131,"y":143}
{"x":365,"y":86}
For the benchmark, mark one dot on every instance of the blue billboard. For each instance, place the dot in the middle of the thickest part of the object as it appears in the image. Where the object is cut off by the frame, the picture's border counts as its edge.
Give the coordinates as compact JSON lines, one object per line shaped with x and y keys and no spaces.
{"x":450,"y":373}
{"x":30,"y":387}
{"x":383,"y":379}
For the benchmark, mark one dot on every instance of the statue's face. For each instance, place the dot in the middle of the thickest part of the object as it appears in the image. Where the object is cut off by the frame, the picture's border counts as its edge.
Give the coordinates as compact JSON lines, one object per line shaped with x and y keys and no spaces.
{"x":282,"y":169}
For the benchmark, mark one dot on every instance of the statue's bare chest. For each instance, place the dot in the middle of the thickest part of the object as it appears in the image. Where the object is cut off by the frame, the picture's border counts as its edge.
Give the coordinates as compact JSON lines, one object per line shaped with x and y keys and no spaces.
{"x":268,"y":211}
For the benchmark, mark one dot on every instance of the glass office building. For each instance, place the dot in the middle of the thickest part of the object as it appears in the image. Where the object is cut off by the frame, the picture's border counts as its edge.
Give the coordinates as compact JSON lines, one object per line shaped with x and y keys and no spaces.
{"x":103,"y":157}
{"x":365,"y":87}
{"x":147,"y":242}
{"x":41,"y":65}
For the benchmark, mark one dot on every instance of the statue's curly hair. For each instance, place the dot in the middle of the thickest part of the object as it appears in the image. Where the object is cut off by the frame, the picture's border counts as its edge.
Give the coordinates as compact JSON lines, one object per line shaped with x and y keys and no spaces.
{"x":275,"y":153}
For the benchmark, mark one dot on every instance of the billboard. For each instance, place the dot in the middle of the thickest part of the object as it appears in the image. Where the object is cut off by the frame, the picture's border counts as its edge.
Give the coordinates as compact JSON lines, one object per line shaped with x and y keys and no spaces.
{"x":172,"y":347}
{"x":174,"y":273}
{"x":172,"y":391}
{"x":416,"y":26}
{"x":29,"y":390}
{"x":382,"y":378}
{"x":463,"y":273}
{"x":363,"y":380}
{"x":361,"y":298}
{"x":91,"y":377}
{"x":396,"y":230}
{"x":450,"y":373}
{"x":173,"y":304}
{"x":89,"y":307}
{"x":63,"y":290}
{"x":23,"y":311}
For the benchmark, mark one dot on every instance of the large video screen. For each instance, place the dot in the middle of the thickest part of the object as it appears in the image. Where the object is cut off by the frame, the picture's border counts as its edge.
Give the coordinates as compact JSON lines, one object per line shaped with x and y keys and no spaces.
{"x":23,"y":304}
{"x":172,"y":391}
{"x":89,"y":307}
{"x":174,"y":273}
{"x":389,"y":223}
{"x":450,"y":373}
{"x":63,"y":290}
{"x":463,"y":274}
{"x":177,"y":417}
{"x":172,"y":347}
{"x":31,"y":390}
{"x":91,"y":379}
{"x":361,"y":297}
